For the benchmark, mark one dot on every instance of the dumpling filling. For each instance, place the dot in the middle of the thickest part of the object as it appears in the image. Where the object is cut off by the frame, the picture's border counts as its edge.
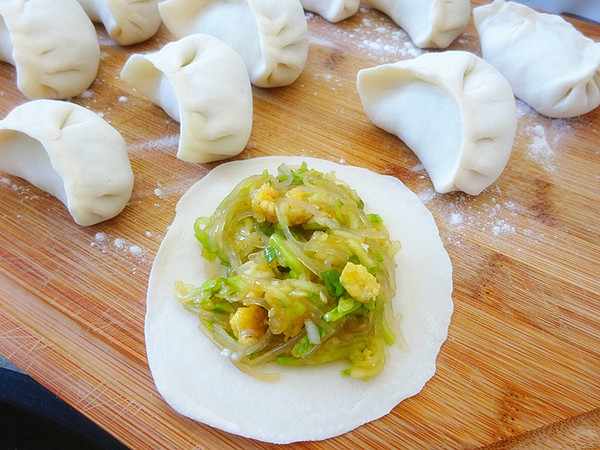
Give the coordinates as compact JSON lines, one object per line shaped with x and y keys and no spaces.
{"x":300,"y":275}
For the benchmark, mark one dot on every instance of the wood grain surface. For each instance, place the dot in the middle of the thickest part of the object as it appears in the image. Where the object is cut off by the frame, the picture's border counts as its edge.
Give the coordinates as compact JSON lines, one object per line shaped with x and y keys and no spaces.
{"x":522,"y":356}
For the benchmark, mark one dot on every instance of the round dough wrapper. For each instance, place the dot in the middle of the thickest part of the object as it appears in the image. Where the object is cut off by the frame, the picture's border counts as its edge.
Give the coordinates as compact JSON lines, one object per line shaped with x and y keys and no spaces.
{"x":307,"y":403}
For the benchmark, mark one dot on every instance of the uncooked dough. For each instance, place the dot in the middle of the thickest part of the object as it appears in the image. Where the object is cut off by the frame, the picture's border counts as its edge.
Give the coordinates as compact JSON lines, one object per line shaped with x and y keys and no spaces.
{"x":71,"y":153}
{"x":307,"y":403}
{"x":332,"y":10}
{"x":202,"y":83}
{"x":53,"y":46}
{"x":126,"y":21}
{"x":453,"y":109}
{"x":271,"y":36}
{"x":549,"y":64}
{"x":429,"y":23}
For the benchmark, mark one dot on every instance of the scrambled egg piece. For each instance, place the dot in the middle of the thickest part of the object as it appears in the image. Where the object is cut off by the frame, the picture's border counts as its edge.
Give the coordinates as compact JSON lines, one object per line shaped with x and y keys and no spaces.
{"x":264,"y":204}
{"x":248,"y":324}
{"x":263,"y":201}
{"x":297,"y":214}
{"x":359,"y":283}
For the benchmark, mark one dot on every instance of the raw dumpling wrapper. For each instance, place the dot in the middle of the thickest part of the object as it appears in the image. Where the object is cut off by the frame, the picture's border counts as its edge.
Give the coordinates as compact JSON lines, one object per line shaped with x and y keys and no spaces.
{"x":271,"y":36}
{"x":71,"y":153}
{"x":52,"y":44}
{"x":332,"y":10}
{"x":126,"y":21}
{"x":549,"y":64}
{"x":202,"y":83}
{"x":307,"y":403}
{"x":453,"y":109}
{"x":429,"y":23}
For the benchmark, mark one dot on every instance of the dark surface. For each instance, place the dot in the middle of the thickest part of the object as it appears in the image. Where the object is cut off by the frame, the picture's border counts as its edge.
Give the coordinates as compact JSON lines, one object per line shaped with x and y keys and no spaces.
{"x":31,"y":417}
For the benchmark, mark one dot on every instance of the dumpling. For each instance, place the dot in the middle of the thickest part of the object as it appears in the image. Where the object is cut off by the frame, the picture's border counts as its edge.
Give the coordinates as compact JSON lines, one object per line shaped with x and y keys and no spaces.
{"x":332,"y":10}
{"x":453,"y":109}
{"x":126,"y":21}
{"x":271,"y":36}
{"x":429,"y":23}
{"x":53,"y":45}
{"x":312,"y":402}
{"x":203,"y":84}
{"x":549,"y":64}
{"x":71,"y":153}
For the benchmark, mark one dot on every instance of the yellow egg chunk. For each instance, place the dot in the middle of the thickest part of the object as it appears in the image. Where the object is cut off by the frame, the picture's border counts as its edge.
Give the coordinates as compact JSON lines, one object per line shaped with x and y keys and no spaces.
{"x":248,"y":324}
{"x":359,"y":283}
{"x":263,"y":202}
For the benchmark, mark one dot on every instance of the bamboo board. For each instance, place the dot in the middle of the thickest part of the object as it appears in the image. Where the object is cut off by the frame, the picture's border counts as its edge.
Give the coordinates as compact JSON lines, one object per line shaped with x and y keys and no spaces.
{"x":522,"y":354}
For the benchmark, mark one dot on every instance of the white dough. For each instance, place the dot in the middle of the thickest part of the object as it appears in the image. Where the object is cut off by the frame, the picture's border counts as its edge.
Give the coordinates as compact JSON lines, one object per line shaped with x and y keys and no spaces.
{"x":202,"y":83}
{"x":126,"y":21}
{"x":52,"y":44}
{"x":429,"y":23}
{"x":71,"y":153}
{"x":307,"y":403}
{"x":549,"y":64}
{"x":271,"y":36}
{"x":332,"y":10}
{"x":453,"y":109}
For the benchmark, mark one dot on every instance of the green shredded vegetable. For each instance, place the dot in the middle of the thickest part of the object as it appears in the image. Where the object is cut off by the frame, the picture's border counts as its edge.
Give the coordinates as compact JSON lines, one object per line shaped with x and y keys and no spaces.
{"x":303,"y":276}
{"x":331,"y":278}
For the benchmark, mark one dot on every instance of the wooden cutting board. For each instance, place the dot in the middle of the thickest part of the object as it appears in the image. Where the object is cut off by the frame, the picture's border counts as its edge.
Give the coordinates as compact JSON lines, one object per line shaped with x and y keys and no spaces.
{"x":523,"y":347}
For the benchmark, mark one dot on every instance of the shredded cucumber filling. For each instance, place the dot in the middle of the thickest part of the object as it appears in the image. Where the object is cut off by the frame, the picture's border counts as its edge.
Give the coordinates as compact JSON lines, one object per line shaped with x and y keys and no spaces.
{"x":300,"y":274}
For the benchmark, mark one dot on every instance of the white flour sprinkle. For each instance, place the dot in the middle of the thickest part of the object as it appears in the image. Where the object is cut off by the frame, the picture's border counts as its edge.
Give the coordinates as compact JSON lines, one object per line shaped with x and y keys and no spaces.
{"x":464,"y":214}
{"x":502,"y":227}
{"x":159,"y":191}
{"x":23,"y":190}
{"x":456,"y":218}
{"x":119,"y":243}
{"x":100,"y":237}
{"x":103,"y":242}
{"x":427,"y":195}
{"x":539,"y":149}
{"x":136,"y":250}
{"x":376,"y":36}
{"x":160,"y":143}
{"x":417,"y":168}
{"x":123,"y":98}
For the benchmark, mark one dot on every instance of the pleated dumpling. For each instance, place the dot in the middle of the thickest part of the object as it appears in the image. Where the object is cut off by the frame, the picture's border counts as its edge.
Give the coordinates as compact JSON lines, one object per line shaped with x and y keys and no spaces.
{"x":126,"y":21}
{"x":453,"y":109}
{"x":70,"y":152}
{"x":429,"y":23}
{"x":203,"y":84}
{"x":549,"y":64}
{"x":52,"y":44}
{"x":332,"y":10}
{"x":271,"y":36}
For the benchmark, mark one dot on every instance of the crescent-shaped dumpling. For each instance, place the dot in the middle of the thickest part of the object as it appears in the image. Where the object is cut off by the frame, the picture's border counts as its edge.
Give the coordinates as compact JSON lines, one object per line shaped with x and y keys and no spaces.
{"x":549,"y":64}
{"x":429,"y":23}
{"x":271,"y":36}
{"x":71,"y":153}
{"x":126,"y":21}
{"x":453,"y":109}
{"x":203,"y":84}
{"x":332,"y":10}
{"x":53,"y":45}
